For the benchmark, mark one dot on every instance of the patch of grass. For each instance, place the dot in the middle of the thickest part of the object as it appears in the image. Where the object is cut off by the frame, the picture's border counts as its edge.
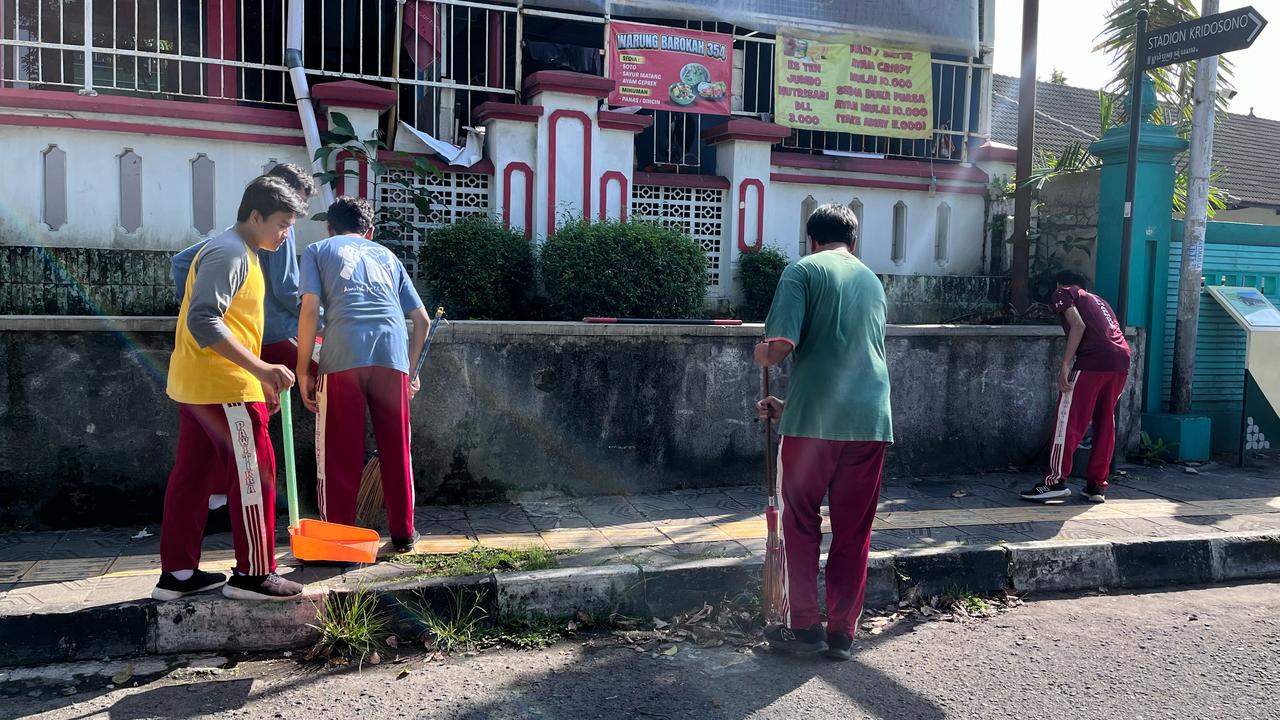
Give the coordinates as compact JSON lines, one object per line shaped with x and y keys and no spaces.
{"x":478,"y":560}
{"x":965,"y":601}
{"x":458,"y":629}
{"x":351,"y":626}
{"x":528,"y":633}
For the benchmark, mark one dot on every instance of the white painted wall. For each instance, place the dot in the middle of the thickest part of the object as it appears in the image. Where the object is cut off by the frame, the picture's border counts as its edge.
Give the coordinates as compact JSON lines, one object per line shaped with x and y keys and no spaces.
{"x":784,"y":221}
{"x":569,"y":157}
{"x":506,"y":142}
{"x":93,"y":204}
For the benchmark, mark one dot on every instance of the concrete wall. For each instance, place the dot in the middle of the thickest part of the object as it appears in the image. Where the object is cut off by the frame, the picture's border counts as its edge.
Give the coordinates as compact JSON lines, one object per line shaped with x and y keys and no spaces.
{"x":784,"y":223}
{"x":1068,"y":222}
{"x":87,"y":435}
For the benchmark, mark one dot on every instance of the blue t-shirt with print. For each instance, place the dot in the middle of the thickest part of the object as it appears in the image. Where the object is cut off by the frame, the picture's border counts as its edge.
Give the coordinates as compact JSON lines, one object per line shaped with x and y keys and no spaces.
{"x":366,"y":294}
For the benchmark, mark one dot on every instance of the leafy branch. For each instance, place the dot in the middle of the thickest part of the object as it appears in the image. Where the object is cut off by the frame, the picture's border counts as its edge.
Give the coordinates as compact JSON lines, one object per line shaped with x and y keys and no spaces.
{"x":340,"y":144}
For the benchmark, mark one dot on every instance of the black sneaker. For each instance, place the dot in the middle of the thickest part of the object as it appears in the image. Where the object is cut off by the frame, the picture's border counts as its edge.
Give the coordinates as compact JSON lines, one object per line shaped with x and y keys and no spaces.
{"x":839,"y":646}
{"x":797,"y":642}
{"x":171,"y":588}
{"x":400,"y":546}
{"x":219,"y":521}
{"x":272,"y":588}
{"x":1094,"y":493}
{"x":1045,"y":491}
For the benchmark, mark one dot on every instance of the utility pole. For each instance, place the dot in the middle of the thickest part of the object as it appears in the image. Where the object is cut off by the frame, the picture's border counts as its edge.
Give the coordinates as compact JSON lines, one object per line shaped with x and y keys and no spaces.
{"x":1020,"y":284}
{"x":1184,"y":342}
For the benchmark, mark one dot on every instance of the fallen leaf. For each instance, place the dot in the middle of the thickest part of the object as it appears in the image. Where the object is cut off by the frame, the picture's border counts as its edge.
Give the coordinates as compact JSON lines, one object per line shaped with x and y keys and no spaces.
{"x":960,"y":493}
{"x":671,"y":650}
{"x":123,"y":676}
{"x":142,"y":534}
{"x":404,"y":673}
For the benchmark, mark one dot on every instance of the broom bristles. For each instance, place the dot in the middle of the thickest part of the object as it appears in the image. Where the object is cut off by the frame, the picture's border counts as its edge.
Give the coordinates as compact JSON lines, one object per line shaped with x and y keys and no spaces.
{"x":771,"y":595}
{"x":370,"y":510}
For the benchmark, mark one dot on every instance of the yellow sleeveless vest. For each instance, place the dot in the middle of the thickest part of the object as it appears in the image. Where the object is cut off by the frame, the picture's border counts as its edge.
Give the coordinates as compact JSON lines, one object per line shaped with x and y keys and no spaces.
{"x":200,"y":376}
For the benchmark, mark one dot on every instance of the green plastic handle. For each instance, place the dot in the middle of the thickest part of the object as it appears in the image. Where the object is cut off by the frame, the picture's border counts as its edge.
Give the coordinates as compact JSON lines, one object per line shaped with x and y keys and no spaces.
{"x":290,"y":472}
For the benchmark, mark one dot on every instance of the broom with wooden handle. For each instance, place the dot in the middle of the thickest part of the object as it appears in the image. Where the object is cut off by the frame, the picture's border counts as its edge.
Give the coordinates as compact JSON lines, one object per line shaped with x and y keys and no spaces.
{"x":370,"y":512}
{"x":771,"y":595}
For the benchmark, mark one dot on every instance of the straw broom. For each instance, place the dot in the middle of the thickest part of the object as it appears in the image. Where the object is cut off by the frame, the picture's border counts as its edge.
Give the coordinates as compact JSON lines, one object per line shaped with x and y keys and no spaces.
{"x":370,"y":511}
{"x":771,"y":597}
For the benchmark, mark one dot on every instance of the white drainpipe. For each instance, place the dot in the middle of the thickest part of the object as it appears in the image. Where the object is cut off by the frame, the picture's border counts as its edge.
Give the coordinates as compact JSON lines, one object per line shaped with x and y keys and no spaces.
{"x":298,"y":76}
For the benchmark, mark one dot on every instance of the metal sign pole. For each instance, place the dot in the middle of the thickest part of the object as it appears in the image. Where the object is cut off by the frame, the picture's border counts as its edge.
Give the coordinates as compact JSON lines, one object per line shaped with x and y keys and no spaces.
{"x":1131,"y":176}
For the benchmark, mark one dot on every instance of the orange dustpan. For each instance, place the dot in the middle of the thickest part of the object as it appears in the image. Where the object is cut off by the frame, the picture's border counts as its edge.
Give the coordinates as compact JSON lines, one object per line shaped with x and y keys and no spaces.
{"x":315,"y":540}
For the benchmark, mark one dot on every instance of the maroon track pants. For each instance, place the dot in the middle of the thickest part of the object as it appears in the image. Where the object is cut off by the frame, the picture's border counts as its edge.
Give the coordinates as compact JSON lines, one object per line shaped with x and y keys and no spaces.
{"x":221,"y":449}
{"x":849,"y":473}
{"x":340,"y":432}
{"x":1091,"y":400}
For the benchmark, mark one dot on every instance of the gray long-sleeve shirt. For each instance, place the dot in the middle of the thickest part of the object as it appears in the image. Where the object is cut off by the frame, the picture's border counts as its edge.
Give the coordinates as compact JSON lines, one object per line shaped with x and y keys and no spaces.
{"x":221,"y":269}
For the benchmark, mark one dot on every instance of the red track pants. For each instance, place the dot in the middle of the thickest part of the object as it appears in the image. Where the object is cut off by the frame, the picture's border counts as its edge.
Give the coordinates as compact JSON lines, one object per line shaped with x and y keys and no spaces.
{"x":1091,"y":400}
{"x":340,"y":434}
{"x":849,"y":472}
{"x":221,"y":449}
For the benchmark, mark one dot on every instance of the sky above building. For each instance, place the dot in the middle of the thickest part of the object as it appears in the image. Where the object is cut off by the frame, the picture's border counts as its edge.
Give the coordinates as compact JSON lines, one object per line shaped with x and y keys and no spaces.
{"x":1069,"y":28}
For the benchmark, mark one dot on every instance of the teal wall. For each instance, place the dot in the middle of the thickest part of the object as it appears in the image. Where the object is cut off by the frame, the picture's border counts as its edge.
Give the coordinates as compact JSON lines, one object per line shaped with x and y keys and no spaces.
{"x":1235,"y":254}
{"x":1158,"y":146}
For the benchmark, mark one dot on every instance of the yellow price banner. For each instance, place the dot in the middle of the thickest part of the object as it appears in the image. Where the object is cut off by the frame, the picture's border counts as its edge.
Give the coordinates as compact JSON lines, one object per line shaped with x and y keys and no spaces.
{"x":853,"y":87}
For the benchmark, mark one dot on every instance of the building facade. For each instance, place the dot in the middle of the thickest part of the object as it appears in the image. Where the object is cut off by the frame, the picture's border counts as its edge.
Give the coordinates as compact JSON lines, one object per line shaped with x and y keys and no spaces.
{"x":128,"y":129}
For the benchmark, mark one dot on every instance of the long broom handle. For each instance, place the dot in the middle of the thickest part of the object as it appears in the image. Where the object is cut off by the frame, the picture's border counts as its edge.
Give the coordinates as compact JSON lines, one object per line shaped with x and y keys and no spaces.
{"x":431,"y":333}
{"x":290,"y":472}
{"x":768,"y":438}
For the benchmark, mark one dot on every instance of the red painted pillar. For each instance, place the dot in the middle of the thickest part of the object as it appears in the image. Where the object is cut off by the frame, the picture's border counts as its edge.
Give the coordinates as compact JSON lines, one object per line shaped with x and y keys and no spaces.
{"x":220,"y":44}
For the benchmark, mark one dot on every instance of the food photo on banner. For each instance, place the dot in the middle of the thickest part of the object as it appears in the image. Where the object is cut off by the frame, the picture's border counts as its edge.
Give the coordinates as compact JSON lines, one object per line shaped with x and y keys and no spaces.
{"x":853,"y":87}
{"x":664,"y":68}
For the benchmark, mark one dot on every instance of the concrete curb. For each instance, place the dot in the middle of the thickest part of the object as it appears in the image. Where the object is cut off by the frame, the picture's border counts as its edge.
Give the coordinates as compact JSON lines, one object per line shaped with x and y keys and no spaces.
{"x":214,"y":624}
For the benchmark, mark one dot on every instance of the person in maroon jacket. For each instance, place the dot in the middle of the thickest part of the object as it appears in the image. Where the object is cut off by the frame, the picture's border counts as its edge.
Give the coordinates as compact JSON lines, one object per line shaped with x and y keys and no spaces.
{"x":1094,"y":370}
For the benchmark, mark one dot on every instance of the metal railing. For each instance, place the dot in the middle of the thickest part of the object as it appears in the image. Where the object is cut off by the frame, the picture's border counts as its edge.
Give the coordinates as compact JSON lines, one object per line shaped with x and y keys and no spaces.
{"x":445,"y":56}
{"x":450,"y":54}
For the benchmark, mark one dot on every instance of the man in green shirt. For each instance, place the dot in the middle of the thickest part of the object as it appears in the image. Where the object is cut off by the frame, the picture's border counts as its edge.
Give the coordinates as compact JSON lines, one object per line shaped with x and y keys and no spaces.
{"x":829,"y":314}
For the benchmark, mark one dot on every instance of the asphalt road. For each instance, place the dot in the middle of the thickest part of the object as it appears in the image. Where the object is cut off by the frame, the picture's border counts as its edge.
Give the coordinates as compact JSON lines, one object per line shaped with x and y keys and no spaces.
{"x":1201,"y":653}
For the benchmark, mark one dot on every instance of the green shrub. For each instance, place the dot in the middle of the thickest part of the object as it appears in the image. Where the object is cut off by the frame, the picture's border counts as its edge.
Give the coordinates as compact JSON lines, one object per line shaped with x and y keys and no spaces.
{"x":631,"y":269}
{"x":759,"y":273}
{"x":477,"y":269}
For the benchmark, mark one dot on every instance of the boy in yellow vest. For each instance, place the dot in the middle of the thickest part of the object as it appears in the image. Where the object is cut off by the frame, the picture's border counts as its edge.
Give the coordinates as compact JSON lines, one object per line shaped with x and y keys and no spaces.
{"x":225,"y":395}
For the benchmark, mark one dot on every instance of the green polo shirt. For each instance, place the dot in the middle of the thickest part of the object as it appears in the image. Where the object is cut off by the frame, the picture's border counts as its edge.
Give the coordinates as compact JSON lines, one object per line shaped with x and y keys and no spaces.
{"x":831,"y":308}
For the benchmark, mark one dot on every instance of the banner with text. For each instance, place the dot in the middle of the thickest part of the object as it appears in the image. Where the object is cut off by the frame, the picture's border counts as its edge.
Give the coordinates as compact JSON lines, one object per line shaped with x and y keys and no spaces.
{"x":853,"y":88}
{"x":663,"y":68}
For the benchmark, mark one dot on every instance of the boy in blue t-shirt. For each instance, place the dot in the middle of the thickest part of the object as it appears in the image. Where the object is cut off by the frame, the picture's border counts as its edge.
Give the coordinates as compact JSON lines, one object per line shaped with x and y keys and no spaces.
{"x":364,"y":362}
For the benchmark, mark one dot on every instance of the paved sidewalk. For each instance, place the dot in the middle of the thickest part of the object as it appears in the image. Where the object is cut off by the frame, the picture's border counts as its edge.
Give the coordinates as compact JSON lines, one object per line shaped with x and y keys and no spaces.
{"x":88,"y":568}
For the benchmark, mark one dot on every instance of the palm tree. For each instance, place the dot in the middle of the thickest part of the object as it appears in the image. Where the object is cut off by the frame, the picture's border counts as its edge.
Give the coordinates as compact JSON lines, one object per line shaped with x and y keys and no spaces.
{"x":1173,"y":83}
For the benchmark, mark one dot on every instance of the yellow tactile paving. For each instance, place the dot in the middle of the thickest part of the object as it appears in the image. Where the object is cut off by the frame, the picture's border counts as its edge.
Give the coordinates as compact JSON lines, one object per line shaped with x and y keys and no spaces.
{"x":51,"y":571}
{"x":134,"y":566}
{"x":752,"y":529}
{"x":443,"y":544}
{"x":513,"y":541}
{"x":1243,"y":506}
{"x":12,"y":571}
{"x":575,"y":539}
{"x":634,"y":535}
{"x":696,"y":534}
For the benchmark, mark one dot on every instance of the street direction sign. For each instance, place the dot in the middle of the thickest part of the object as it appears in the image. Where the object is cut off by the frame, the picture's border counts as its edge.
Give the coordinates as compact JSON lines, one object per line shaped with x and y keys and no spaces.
{"x":1202,"y":37}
